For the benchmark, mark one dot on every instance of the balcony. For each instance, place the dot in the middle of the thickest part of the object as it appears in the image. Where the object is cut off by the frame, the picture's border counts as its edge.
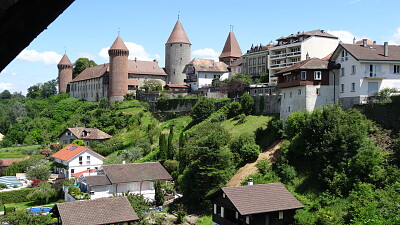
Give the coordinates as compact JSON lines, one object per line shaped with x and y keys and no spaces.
{"x":282,"y":55}
{"x":294,"y":53}
{"x":189,"y":80}
{"x":373,"y":75}
{"x":278,"y":65}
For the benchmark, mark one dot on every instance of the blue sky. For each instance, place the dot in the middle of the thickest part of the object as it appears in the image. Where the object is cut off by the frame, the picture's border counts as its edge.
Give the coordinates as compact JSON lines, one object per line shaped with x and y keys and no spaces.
{"x":88,"y":27}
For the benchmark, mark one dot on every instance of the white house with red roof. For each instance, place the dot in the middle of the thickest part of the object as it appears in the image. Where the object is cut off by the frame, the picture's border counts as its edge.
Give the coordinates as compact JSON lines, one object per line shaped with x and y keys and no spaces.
{"x":75,"y":159}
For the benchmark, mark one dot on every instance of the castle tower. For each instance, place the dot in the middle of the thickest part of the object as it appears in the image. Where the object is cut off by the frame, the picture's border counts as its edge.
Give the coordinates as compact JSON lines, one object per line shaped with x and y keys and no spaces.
{"x":177,"y":54}
{"x":231,"y":51}
{"x":64,"y":74}
{"x":118,"y":78}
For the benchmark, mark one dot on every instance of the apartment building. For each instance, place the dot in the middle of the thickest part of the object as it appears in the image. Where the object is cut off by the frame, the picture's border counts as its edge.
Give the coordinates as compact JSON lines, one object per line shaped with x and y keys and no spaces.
{"x":255,"y":61}
{"x":366,"y":69}
{"x":295,"y":48}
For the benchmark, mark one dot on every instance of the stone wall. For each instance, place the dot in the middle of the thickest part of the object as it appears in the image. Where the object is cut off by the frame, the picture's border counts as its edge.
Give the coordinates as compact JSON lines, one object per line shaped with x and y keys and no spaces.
{"x":272,"y":104}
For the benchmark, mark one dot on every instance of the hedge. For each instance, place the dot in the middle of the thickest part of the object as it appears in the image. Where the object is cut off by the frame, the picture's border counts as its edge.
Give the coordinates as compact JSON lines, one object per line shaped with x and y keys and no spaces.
{"x":15,"y":196}
{"x":8,"y":208}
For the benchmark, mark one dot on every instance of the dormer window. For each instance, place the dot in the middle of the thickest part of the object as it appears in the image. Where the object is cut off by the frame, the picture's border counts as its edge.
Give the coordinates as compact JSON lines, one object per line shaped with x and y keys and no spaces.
{"x":85,"y":133}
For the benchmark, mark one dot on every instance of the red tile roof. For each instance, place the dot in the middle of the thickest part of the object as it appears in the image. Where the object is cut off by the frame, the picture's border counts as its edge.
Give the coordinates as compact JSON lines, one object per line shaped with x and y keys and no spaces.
{"x":176,"y":86}
{"x":119,"y":44}
{"x":65,"y":60}
{"x":70,"y":151}
{"x":178,"y":34}
{"x":231,"y":47}
{"x":81,"y":173}
{"x":261,"y":198}
{"x":313,"y":63}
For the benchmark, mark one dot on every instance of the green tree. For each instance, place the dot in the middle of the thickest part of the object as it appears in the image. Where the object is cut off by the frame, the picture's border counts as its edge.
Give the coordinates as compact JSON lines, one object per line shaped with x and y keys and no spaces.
{"x":159,"y":196}
{"x":49,"y":88}
{"x":80,"y":65}
{"x":247,"y":103}
{"x":5,"y":94}
{"x":41,"y":172}
{"x":170,"y":148}
{"x":234,"y":109}
{"x":23,"y":217}
{"x":34,"y":91}
{"x":44,"y":191}
{"x":78,"y":142}
{"x":163,"y":146}
{"x":203,"y":108}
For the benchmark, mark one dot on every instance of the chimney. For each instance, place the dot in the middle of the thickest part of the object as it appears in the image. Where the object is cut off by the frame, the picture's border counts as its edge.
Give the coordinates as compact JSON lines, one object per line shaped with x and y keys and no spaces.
{"x":364,"y":42}
{"x":123,"y":161}
{"x":385,"y":49}
{"x":374,"y":43}
{"x":307,"y":56}
{"x":250,"y":182}
{"x":354,"y":40}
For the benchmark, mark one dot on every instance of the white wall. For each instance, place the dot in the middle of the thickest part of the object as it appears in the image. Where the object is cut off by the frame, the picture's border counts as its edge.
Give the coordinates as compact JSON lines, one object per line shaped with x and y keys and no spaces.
{"x":95,"y":161}
{"x":205,"y":79}
{"x":318,"y":47}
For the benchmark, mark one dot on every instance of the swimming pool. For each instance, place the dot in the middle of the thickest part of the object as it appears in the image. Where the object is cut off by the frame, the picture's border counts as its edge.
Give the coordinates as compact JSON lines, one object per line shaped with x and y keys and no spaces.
{"x":39,"y":210}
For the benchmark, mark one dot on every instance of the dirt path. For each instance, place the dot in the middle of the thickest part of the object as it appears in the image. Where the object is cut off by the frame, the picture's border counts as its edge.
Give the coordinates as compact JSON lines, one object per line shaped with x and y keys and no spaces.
{"x":250,"y":168}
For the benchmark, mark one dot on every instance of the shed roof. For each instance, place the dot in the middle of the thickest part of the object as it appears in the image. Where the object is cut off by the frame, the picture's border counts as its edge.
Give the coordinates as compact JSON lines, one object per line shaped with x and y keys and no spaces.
{"x":261,"y":198}
{"x":94,"y":212}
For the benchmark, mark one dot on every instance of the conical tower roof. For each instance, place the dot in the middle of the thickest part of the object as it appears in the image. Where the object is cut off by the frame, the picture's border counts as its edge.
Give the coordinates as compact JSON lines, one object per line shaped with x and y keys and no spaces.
{"x":65,"y":60}
{"x":231,"y":47}
{"x":118,"y":44}
{"x":178,"y":34}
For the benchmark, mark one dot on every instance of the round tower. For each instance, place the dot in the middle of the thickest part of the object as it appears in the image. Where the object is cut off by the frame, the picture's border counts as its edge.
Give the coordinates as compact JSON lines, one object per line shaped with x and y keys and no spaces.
{"x":118,"y":78}
{"x":64,"y":74}
{"x":177,"y":54}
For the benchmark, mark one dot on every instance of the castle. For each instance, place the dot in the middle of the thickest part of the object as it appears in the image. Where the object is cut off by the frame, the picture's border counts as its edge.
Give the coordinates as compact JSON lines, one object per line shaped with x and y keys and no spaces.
{"x":121,"y":75}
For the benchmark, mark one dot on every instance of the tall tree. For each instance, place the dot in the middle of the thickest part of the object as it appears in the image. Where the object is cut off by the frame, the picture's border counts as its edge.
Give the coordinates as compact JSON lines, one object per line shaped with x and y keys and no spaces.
{"x":5,"y":94}
{"x":80,"y":65}
{"x":159,"y":196}
{"x":44,"y":191}
{"x":41,"y":172}
{"x":247,"y":103}
{"x":170,"y":149}
{"x":162,"y":143}
{"x":203,"y":108}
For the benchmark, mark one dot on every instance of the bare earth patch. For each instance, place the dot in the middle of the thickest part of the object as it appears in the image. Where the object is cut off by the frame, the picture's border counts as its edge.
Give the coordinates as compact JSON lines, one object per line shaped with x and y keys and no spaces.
{"x":270,"y":153}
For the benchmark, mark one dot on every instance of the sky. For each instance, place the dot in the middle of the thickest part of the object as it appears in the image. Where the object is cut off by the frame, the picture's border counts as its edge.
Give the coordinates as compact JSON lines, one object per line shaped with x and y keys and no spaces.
{"x":88,"y":28}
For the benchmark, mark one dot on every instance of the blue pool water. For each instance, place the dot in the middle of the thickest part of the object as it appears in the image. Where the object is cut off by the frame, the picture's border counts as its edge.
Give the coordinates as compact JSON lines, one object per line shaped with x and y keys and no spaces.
{"x":37,"y":210}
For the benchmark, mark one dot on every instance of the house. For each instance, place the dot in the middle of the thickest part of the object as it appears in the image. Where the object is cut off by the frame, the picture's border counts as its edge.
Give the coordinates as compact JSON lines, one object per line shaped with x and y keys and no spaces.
{"x":74,"y":159}
{"x":136,"y":178}
{"x":235,"y":67}
{"x":116,"y":210}
{"x":88,"y":135}
{"x":255,"y":61}
{"x":261,"y":204}
{"x":294,"y":48}
{"x":306,"y":85}
{"x":365,"y":70}
{"x":201,"y":72}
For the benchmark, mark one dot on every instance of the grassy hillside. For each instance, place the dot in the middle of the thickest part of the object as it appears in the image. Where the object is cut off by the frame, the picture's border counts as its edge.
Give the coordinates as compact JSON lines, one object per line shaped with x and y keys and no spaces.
{"x":249,"y":125}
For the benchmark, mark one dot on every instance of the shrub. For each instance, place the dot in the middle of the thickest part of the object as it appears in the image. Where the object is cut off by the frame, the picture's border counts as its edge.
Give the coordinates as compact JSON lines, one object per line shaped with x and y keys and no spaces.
{"x":234,"y":109}
{"x":180,"y":218}
{"x":2,"y":186}
{"x":247,"y":103}
{"x":203,"y":108}
{"x":8,"y":208}
{"x":249,"y":153}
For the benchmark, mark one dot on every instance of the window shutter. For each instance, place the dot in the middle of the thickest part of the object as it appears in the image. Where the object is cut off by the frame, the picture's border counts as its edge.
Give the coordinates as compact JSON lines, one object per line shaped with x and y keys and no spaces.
{"x":378,"y":68}
{"x":391,"y":68}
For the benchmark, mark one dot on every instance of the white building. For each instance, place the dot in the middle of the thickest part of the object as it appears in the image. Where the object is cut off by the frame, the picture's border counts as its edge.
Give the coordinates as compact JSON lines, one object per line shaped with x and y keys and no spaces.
{"x":74,"y":159}
{"x":137,"y":178}
{"x":306,"y":85}
{"x":201,"y":72}
{"x":295,"y":47}
{"x":365,"y":70}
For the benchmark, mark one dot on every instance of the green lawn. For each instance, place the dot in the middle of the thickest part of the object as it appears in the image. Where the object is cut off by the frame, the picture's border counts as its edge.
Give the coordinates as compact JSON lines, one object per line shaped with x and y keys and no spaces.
{"x":204,"y":220}
{"x":16,"y":152}
{"x":249,"y":126}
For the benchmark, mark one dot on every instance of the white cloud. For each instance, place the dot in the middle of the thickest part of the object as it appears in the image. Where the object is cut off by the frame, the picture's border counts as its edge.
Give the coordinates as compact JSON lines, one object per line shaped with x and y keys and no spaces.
{"x":345,"y":36}
{"x":6,"y":72}
{"x":135,"y":51}
{"x":5,"y":86}
{"x":86,"y":55}
{"x":206,"y":53}
{"x":394,"y":39}
{"x":47,"y":58}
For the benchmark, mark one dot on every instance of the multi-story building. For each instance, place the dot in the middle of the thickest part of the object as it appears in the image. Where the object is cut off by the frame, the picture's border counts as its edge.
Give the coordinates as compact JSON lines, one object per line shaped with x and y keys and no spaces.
{"x":255,"y":61}
{"x":201,"y":72}
{"x":365,"y":70}
{"x":295,"y":47}
{"x":306,"y":85}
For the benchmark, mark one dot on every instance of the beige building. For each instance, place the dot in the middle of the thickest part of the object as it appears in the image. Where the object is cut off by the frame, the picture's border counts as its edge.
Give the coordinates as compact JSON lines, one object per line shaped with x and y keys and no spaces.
{"x":296,"y":47}
{"x":255,"y":61}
